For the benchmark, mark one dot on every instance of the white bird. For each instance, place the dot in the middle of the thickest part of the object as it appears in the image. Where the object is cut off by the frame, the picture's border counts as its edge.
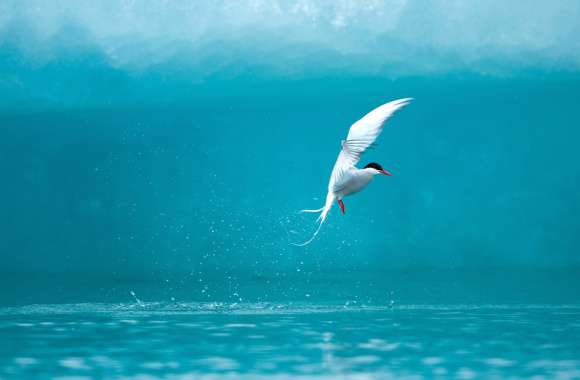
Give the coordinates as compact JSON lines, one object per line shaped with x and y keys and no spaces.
{"x":346,"y":178}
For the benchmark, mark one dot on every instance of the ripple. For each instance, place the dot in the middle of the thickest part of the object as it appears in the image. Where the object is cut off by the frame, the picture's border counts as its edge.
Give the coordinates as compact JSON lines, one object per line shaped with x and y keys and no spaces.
{"x":25,"y":361}
{"x":379,"y":345}
{"x":74,"y":363}
{"x":432,"y":360}
{"x":309,"y":341}
{"x":160,"y":365}
{"x":466,"y":373}
{"x":164,"y":308}
{"x":194,"y":307}
{"x":24,"y":324}
{"x":219,"y":363}
{"x":498,"y":362}
{"x":239,"y":325}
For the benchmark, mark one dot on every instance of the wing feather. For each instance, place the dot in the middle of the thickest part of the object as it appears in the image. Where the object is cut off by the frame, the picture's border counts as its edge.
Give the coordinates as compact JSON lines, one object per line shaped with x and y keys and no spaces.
{"x":361,"y":136}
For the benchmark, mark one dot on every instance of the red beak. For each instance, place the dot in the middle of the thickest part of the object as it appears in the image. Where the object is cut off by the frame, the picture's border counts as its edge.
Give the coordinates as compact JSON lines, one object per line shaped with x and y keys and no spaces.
{"x":386,"y":172}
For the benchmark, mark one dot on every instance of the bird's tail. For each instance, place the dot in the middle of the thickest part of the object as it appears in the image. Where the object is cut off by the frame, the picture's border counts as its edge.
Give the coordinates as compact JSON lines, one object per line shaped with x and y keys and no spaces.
{"x":321,"y":218}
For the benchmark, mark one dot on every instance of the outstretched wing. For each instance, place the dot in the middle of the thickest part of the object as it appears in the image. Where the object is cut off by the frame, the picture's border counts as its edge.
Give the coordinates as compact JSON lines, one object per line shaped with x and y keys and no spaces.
{"x":361,"y":135}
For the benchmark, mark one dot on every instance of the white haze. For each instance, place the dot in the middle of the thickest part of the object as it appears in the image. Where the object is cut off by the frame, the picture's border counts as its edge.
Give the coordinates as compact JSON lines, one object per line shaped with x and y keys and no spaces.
{"x":296,"y":37}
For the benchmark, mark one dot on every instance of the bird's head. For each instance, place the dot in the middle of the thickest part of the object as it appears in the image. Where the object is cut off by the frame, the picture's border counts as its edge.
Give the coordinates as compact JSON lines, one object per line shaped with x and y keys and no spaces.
{"x":377,"y":168}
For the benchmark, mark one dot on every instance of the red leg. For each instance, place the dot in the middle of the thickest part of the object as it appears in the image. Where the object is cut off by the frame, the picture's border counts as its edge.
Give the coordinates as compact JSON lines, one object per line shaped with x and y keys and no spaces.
{"x":341,"y":204}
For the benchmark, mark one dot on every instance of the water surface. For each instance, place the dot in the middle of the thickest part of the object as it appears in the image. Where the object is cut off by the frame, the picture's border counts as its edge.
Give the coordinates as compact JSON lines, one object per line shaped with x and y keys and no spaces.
{"x":304,"y":341}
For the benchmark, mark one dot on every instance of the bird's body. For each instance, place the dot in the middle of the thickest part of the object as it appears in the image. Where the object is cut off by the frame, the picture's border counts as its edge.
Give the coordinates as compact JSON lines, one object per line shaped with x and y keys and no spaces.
{"x":346,"y":179}
{"x":354,"y":181}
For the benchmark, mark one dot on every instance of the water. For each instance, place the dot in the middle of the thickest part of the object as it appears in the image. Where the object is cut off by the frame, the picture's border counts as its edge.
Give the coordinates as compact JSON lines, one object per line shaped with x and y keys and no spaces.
{"x":259,"y":341}
{"x":153,"y":155}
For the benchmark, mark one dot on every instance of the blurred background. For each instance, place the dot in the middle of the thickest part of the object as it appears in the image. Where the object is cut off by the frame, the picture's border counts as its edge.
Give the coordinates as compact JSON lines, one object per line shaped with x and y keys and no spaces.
{"x":164,"y":147}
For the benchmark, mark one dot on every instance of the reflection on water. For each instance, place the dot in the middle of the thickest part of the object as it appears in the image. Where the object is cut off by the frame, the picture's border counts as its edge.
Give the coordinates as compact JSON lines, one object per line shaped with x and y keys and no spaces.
{"x":232,"y":341}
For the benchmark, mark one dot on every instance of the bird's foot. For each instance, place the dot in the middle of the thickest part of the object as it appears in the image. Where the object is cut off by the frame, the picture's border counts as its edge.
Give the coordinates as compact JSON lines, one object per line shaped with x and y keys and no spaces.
{"x":341,"y":204}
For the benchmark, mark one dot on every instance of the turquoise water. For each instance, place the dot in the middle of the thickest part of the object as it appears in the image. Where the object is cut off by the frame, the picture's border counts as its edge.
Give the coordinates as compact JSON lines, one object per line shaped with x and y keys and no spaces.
{"x":153,"y":156}
{"x":259,"y":341}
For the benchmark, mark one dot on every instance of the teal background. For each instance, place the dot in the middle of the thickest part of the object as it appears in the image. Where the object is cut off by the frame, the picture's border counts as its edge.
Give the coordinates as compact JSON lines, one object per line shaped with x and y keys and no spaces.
{"x":154,"y":155}
{"x":166,"y":146}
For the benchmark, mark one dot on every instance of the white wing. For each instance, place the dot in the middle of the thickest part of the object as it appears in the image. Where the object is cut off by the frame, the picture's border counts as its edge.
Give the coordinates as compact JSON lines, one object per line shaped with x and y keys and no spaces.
{"x":361,"y":135}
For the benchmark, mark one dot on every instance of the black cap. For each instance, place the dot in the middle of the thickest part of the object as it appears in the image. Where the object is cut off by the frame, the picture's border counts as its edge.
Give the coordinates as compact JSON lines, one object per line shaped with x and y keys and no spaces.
{"x":374,"y":165}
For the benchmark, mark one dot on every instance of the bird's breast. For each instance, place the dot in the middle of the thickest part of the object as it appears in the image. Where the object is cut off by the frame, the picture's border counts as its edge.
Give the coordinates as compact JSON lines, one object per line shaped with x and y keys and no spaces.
{"x":356,"y":182}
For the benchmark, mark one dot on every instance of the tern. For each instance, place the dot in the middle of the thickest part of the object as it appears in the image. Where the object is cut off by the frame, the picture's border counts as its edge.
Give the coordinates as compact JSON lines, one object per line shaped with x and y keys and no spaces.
{"x":346,"y":179}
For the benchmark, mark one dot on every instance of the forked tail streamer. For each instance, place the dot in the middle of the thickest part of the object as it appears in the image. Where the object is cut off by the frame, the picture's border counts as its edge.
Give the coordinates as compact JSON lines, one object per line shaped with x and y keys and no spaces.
{"x":321,"y":218}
